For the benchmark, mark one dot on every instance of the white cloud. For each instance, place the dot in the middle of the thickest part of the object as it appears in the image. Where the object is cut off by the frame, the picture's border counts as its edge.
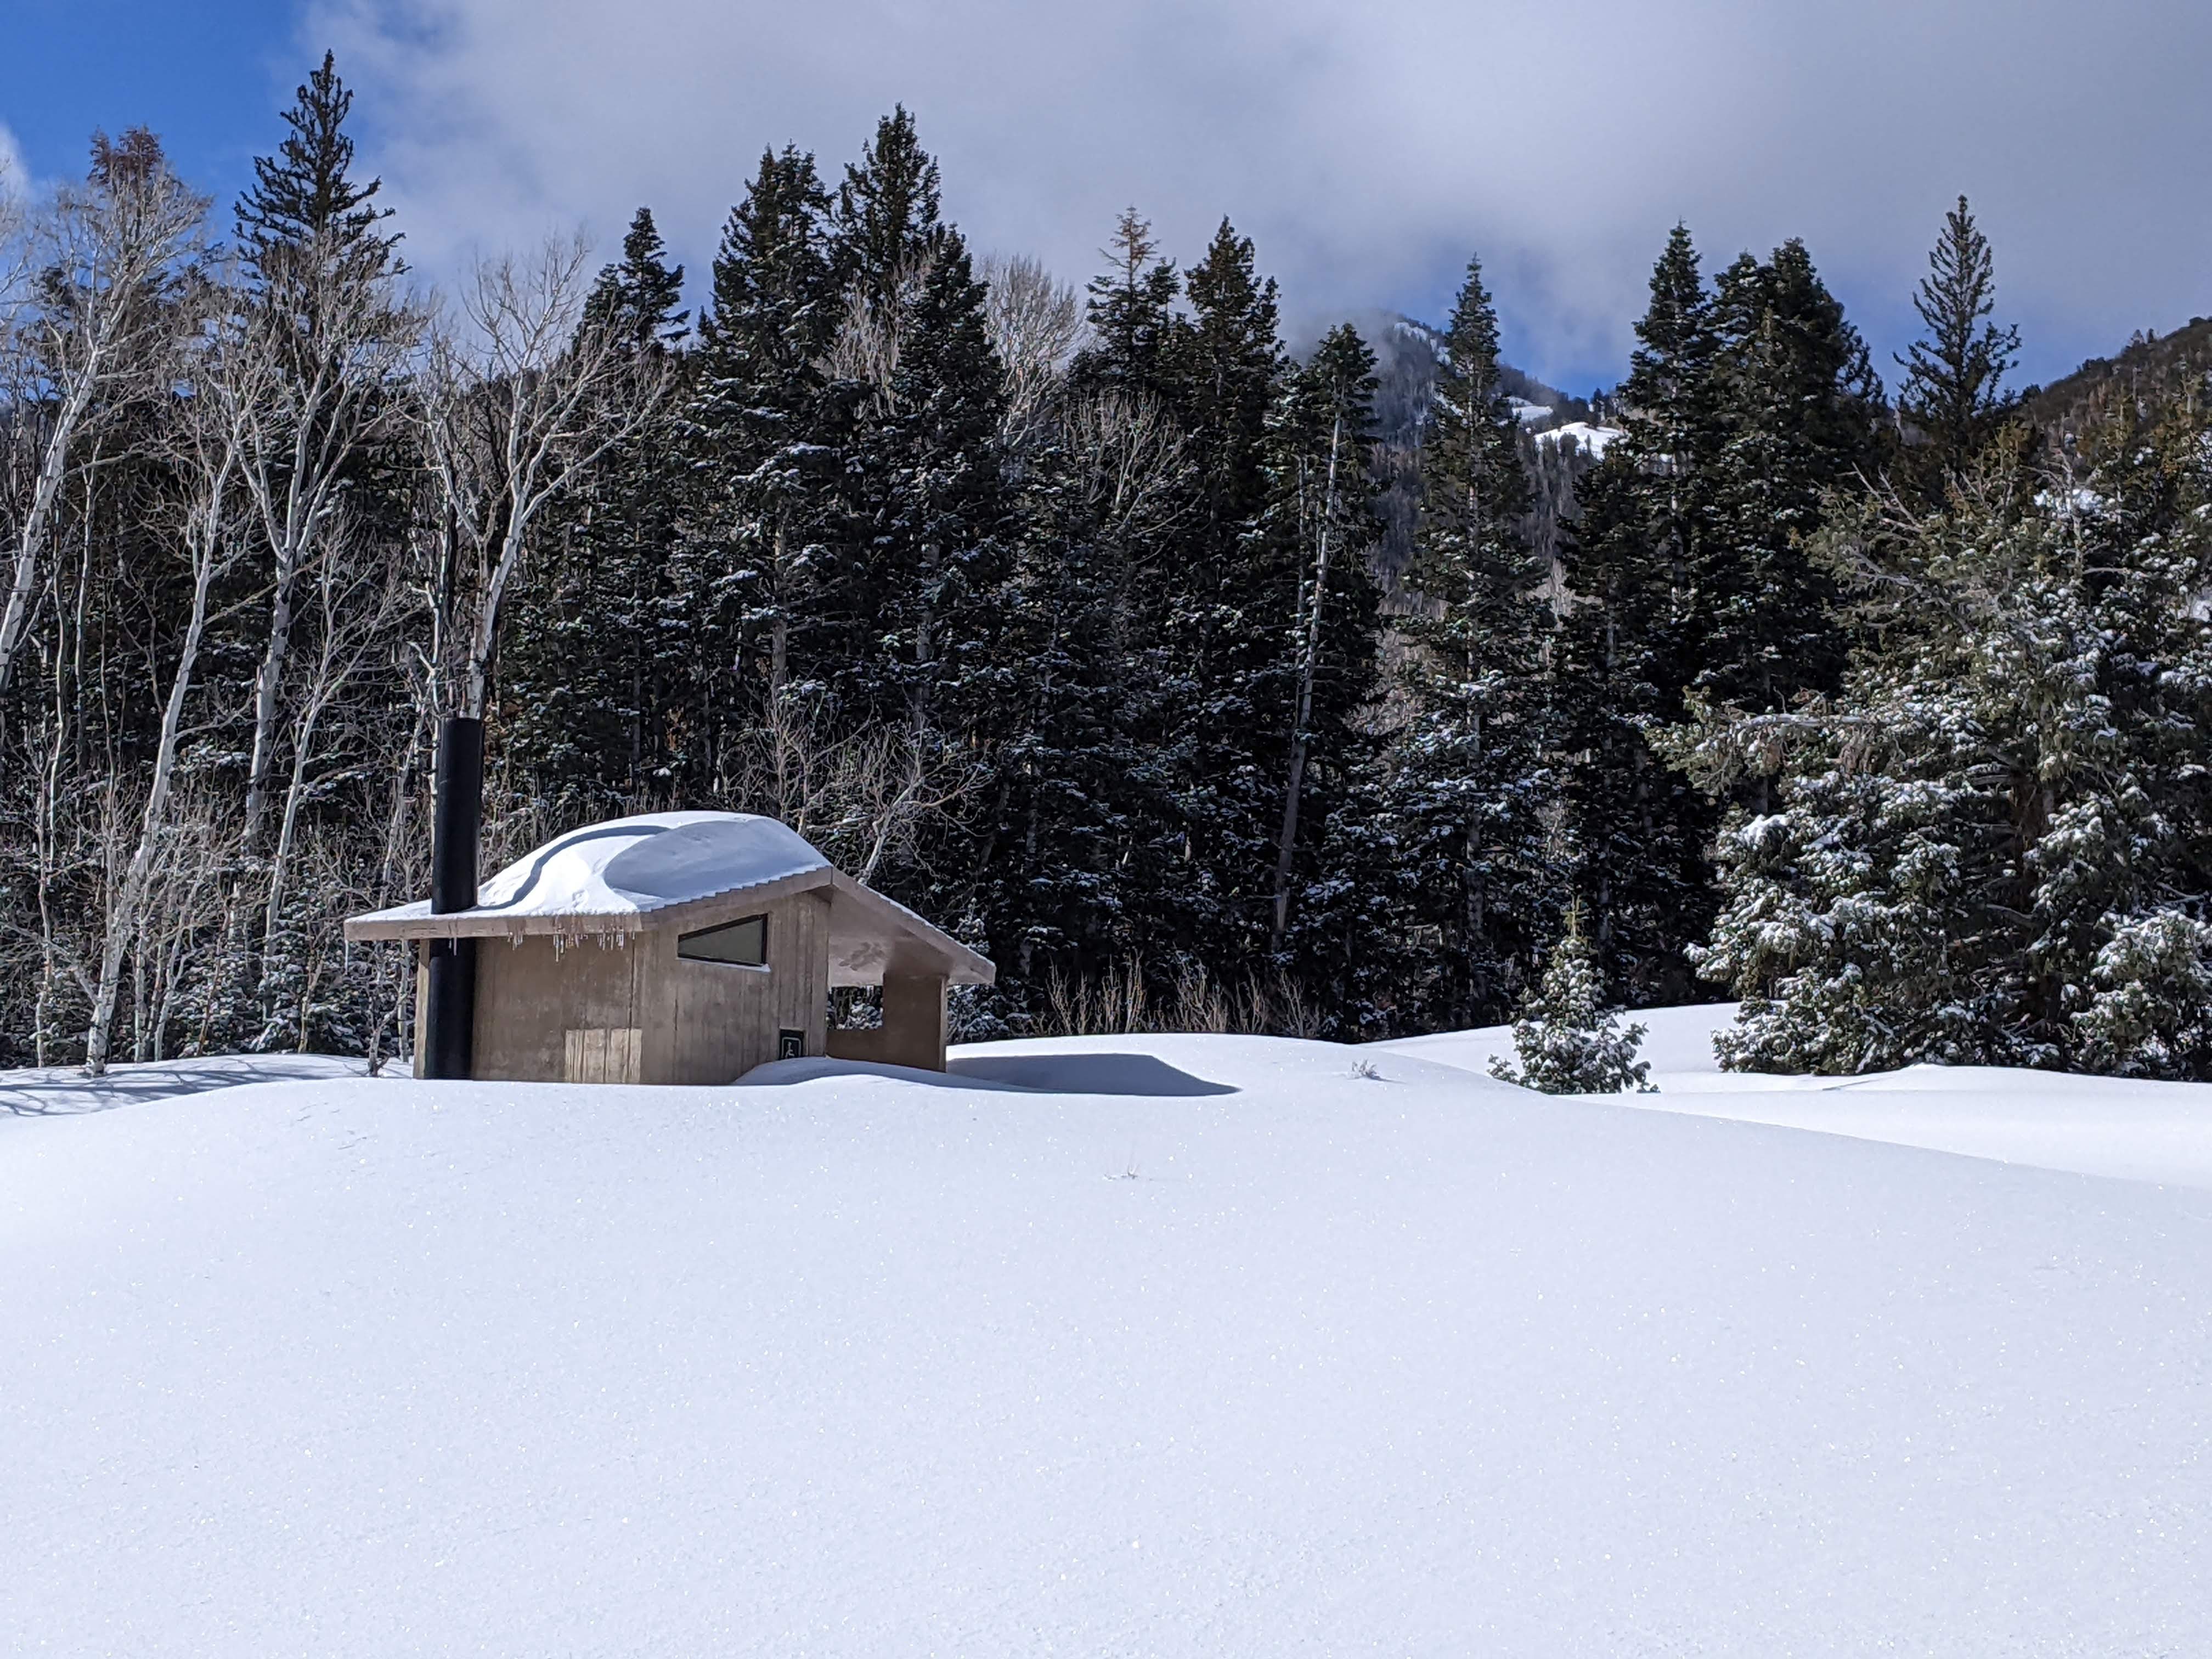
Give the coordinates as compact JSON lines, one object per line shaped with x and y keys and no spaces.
{"x":14,"y":175}
{"x":1367,"y":150}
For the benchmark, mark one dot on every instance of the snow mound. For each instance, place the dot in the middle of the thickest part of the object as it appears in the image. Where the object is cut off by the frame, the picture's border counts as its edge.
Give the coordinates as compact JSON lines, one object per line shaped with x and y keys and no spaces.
{"x":1675,"y":1041}
{"x":2116,"y":1127}
{"x":630,"y":866}
{"x":1171,"y":1346}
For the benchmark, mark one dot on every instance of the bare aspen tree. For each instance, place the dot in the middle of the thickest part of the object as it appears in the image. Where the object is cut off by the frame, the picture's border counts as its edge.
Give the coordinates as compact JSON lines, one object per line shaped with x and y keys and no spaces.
{"x":517,"y":401}
{"x":338,"y":338}
{"x":356,"y":595}
{"x":1037,"y":325}
{"x":182,"y":901}
{"x":14,"y":250}
{"x":1135,"y":465}
{"x":864,"y":795}
{"x":109,"y":252}
{"x":210,"y":441}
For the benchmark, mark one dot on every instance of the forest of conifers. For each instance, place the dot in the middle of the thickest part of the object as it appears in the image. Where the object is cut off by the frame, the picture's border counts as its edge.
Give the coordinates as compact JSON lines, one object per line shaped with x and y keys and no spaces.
{"x":1095,"y":624}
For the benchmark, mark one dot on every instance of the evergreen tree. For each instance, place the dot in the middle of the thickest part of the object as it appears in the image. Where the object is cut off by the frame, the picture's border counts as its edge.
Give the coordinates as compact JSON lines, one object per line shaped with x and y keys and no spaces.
{"x":1080,"y":800}
{"x":1669,"y":395}
{"x":1470,"y":785}
{"x":1952,"y":397}
{"x":1568,"y":1042}
{"x":2149,"y":1012}
{"x":1747,"y":408}
{"x":328,"y":461}
{"x":305,"y":205}
{"x":1083,"y":805}
{"x":940,"y":522}
{"x":1231,"y":361}
{"x":1626,"y":647}
{"x":1225,"y":604}
{"x":1321,"y":513}
{"x":1135,"y":333}
{"x":763,"y":552}
{"x":922,"y":487}
{"x":887,"y":217}
{"x":1991,"y":846}
{"x":595,"y":674}
{"x":923,"y":497}
{"x":1797,"y":408}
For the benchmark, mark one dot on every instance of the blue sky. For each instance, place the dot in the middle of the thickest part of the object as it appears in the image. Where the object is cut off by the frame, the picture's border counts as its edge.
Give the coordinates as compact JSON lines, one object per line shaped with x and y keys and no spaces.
{"x":1367,"y":152}
{"x":210,"y":78}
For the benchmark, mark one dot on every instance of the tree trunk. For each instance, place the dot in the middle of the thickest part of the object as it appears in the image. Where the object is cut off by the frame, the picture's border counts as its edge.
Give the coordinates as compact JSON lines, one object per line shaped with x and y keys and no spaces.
{"x":125,"y":908}
{"x":265,"y":687}
{"x":1294,"y":795}
{"x":45,"y":491}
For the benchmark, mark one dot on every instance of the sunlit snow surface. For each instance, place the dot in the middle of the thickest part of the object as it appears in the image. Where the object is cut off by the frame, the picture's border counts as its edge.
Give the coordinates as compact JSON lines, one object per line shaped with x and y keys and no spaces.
{"x":1118,"y":1346}
{"x":2158,"y":1132}
{"x":1593,"y":438}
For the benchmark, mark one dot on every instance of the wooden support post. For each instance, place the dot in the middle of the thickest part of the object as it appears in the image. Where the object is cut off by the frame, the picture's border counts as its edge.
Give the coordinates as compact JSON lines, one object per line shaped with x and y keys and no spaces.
{"x":914,"y":1020}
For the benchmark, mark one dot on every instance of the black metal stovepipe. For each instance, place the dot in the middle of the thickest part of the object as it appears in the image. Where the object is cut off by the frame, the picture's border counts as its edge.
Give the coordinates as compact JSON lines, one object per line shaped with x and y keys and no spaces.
{"x":456,"y":829}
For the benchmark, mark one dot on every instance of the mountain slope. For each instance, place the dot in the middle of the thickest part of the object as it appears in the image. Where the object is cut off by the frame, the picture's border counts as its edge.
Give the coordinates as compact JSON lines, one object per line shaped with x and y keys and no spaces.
{"x":2149,"y":362}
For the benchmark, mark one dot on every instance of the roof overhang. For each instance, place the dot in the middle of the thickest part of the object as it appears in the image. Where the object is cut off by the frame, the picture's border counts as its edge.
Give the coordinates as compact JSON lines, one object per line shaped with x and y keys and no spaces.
{"x":870,"y":936}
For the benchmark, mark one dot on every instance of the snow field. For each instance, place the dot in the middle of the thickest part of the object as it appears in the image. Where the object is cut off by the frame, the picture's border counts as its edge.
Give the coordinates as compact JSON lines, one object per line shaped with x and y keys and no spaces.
{"x":1269,"y":1358}
{"x":2137,"y":1131}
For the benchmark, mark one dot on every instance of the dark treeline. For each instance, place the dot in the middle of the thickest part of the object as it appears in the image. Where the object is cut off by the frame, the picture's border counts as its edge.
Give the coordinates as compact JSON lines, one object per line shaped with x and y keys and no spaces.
{"x":1098,"y":625}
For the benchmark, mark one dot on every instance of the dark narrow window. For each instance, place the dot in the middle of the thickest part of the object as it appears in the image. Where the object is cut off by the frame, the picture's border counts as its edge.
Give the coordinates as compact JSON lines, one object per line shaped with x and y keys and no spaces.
{"x":744,"y":943}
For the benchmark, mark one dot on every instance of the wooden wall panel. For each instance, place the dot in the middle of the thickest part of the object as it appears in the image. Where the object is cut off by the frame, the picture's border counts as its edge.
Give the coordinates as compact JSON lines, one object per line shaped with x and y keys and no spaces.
{"x":695,"y":1022}
{"x":530,"y":997}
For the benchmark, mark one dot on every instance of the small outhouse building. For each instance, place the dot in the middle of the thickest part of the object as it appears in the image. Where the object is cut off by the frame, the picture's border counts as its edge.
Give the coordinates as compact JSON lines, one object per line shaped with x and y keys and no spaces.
{"x":683,"y":947}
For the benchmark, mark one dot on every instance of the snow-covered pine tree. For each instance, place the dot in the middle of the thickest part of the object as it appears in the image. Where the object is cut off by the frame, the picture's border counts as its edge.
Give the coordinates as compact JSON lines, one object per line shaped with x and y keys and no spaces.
{"x":1744,"y":408}
{"x":1225,"y":596}
{"x":1470,"y":782}
{"x":2149,"y":1010}
{"x":1567,"y":1041}
{"x":1081,"y":807}
{"x":923,"y":492}
{"x":1992,"y":846}
{"x":761,"y":551}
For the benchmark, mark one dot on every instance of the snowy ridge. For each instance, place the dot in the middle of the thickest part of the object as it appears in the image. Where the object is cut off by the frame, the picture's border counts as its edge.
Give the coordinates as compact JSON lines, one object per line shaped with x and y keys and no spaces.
{"x":1177,"y":1345}
{"x":1592,"y":440}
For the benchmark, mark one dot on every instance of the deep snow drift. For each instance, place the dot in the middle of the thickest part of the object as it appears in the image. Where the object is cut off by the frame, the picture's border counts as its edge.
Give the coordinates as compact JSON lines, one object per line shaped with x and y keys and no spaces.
{"x":1126,"y":1346}
{"x":2092,"y":1126}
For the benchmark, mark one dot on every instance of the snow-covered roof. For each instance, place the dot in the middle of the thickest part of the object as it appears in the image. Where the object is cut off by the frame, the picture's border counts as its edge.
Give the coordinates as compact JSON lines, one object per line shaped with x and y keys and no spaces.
{"x":630,"y":867}
{"x":621,"y":876}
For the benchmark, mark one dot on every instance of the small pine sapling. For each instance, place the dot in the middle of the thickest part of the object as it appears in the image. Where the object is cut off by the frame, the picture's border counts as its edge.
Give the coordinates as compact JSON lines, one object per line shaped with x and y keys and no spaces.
{"x":1569,"y":1042}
